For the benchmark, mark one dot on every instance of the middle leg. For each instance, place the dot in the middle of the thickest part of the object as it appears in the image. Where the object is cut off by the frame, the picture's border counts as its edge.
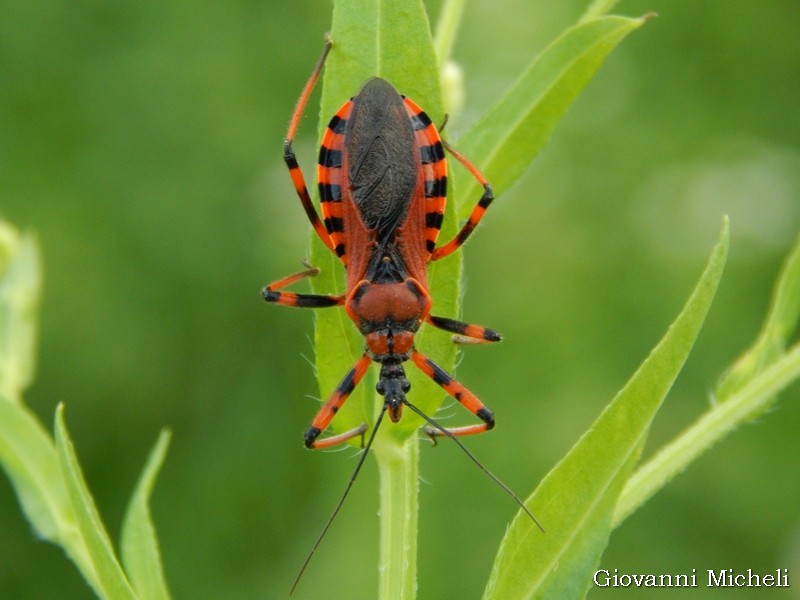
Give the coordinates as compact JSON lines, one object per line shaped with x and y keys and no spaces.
{"x":270,"y":293}
{"x":465,"y":333}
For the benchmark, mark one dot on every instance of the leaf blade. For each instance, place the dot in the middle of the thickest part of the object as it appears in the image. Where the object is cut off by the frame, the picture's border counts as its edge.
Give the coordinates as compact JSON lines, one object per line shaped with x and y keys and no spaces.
{"x":512,"y":133}
{"x":748,"y":389}
{"x":139,"y":544}
{"x":576,"y":500}
{"x":110,"y":576}
{"x":20,"y":284}
{"x":776,"y":331}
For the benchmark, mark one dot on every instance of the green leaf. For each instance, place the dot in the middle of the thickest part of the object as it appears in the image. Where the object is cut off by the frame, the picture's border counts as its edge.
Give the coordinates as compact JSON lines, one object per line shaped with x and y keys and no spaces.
{"x":750,"y":387}
{"x":390,"y":40}
{"x":777,"y":330}
{"x":112,"y":581}
{"x":598,"y":8}
{"x":575,"y":502}
{"x":447,"y":29}
{"x":20,"y":282}
{"x":755,"y":397}
{"x":508,"y":137}
{"x":140,"y":553}
{"x":26,"y":449}
{"x":29,"y":457}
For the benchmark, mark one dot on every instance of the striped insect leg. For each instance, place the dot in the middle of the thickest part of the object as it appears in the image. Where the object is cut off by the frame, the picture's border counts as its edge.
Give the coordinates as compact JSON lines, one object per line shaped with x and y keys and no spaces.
{"x":465,"y":333}
{"x":291,"y":160}
{"x":455,"y":389}
{"x":332,"y":406}
{"x":270,"y":293}
{"x":477,"y":212}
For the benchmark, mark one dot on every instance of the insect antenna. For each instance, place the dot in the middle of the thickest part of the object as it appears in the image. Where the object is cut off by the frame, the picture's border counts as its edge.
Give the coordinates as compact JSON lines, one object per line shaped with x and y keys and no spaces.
{"x":335,"y":512}
{"x":480,"y":465}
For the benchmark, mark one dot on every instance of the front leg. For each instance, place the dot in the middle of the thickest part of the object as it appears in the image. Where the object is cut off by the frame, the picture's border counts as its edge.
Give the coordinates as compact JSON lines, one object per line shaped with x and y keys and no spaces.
{"x":270,"y":293}
{"x":331,"y":407}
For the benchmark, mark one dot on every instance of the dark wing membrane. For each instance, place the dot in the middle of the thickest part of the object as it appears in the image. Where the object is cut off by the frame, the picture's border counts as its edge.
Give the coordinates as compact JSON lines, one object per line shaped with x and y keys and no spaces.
{"x":382,"y":158}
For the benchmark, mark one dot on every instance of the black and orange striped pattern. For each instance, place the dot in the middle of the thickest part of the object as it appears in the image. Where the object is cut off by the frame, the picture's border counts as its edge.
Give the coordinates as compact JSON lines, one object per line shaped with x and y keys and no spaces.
{"x":465,"y":332}
{"x":455,"y":390}
{"x":432,"y":164}
{"x":477,"y":212}
{"x":434,"y":171}
{"x":332,"y":406}
{"x":271,"y":294}
{"x":330,"y":180}
{"x":382,"y":180}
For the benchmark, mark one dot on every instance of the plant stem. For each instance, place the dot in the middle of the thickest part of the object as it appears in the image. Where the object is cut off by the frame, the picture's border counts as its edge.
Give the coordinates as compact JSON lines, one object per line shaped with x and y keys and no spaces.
{"x":399,"y":487}
{"x":751,"y":399}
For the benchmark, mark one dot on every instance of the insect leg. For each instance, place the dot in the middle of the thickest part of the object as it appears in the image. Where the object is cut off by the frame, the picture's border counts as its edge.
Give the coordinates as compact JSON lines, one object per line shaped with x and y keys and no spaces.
{"x":477,"y":213}
{"x":332,"y":406}
{"x":465,"y":333}
{"x":291,"y":160}
{"x":455,"y":389}
{"x":301,"y":300}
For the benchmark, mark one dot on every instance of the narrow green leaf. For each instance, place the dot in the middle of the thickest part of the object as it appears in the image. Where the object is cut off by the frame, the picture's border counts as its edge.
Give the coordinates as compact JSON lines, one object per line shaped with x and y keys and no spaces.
{"x":112,"y":581}
{"x":390,"y":40}
{"x":450,"y":74}
{"x":26,"y":449}
{"x":756,"y":396}
{"x":20,"y":281}
{"x":447,"y":29}
{"x":598,"y":8}
{"x":778,"y":328}
{"x":576,"y":501}
{"x":750,"y":387}
{"x":140,"y":553}
{"x":27,"y":452}
{"x":508,"y":137}
{"x":29,"y":457}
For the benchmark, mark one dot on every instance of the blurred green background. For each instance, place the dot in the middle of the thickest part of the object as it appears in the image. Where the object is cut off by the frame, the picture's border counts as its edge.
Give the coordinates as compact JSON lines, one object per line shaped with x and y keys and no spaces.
{"x":142,"y":142}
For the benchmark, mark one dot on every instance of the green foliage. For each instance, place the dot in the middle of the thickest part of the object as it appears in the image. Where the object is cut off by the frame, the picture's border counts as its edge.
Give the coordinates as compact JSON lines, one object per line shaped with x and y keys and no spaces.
{"x":779,"y":326}
{"x":508,"y":137}
{"x":46,"y":475}
{"x":138,"y":158}
{"x":140,"y":554}
{"x":109,"y":581}
{"x":576,"y":500}
{"x":748,"y":389}
{"x":19,"y":299}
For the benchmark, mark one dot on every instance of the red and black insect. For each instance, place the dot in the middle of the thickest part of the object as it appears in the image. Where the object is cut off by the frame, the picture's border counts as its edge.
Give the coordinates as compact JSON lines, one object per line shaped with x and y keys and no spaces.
{"x":382,"y":177}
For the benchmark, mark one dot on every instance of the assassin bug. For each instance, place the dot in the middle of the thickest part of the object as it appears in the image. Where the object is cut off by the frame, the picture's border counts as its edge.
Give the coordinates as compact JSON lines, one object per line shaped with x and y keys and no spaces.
{"x":382,"y":177}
